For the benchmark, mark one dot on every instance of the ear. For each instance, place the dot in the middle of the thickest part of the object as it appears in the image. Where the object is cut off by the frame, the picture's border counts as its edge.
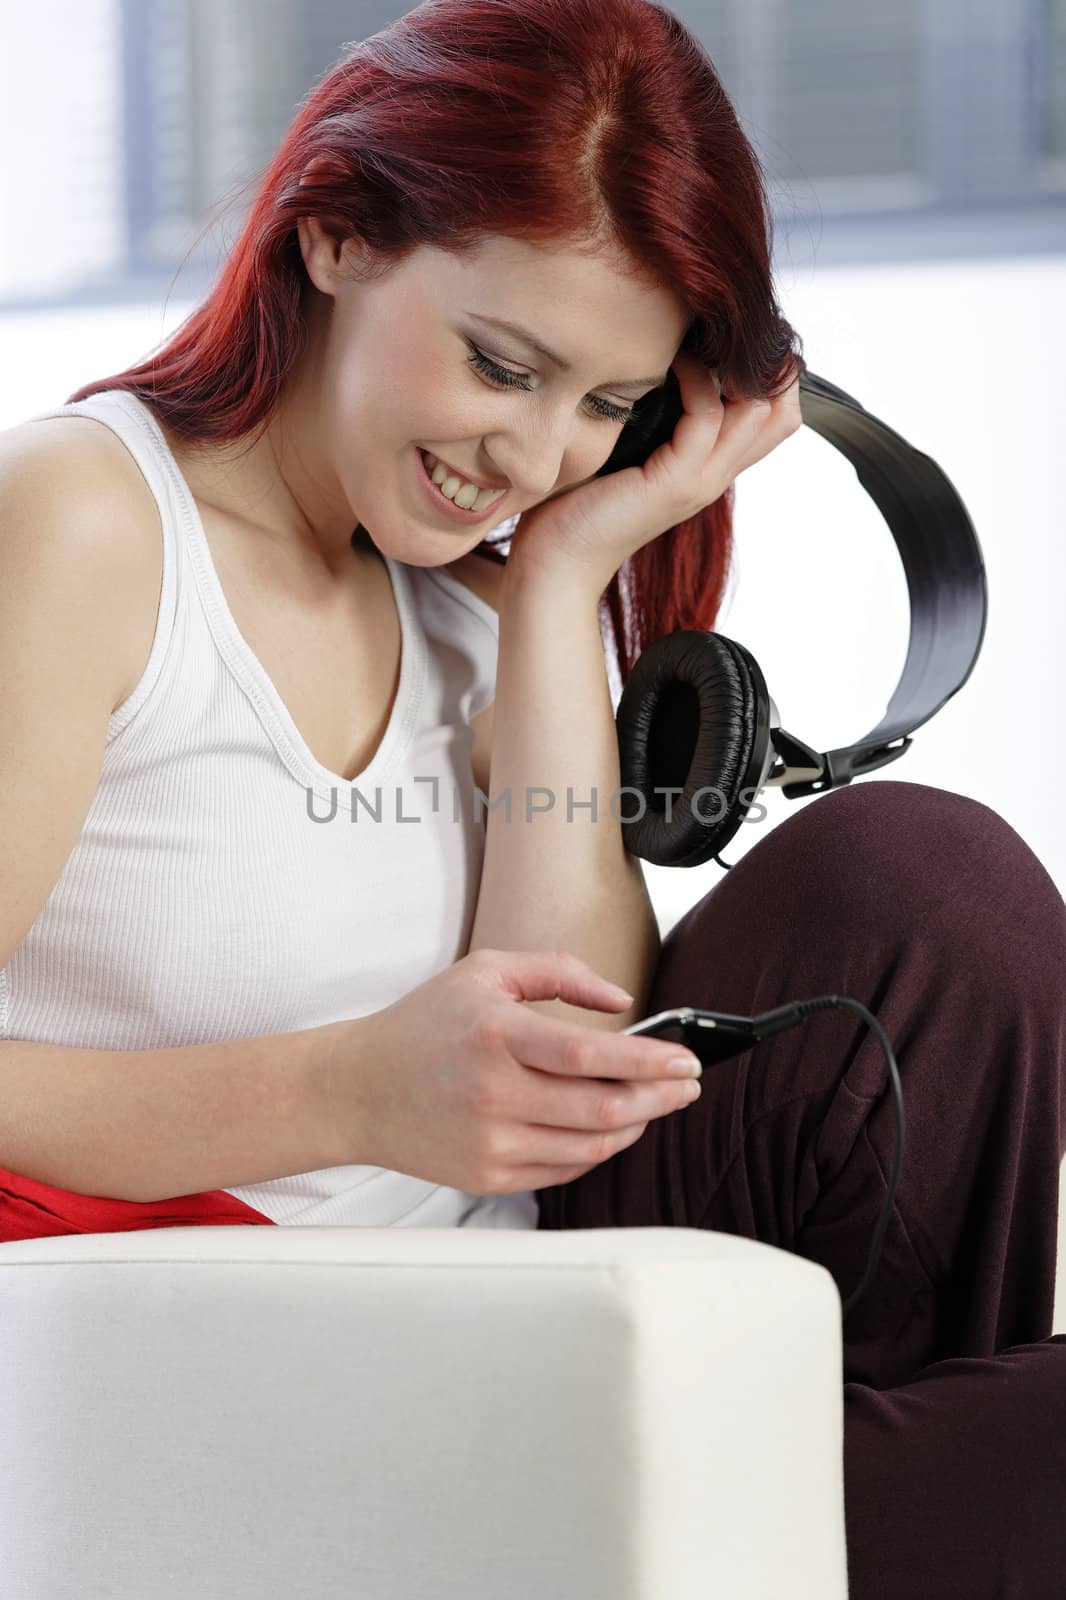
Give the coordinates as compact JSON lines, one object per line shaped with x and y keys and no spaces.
{"x":322,"y":252}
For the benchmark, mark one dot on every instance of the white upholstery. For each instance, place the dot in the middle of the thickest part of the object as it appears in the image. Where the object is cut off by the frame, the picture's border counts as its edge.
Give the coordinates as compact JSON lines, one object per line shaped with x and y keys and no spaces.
{"x":228,"y":1413}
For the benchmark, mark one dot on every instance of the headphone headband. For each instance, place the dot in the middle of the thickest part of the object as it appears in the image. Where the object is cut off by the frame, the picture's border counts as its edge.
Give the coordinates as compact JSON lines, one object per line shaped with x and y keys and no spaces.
{"x":945,"y":574}
{"x":695,"y":713}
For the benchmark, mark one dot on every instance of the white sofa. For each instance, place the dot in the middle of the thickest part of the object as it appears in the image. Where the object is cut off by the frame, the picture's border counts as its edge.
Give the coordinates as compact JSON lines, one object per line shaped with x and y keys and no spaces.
{"x":228,"y":1413}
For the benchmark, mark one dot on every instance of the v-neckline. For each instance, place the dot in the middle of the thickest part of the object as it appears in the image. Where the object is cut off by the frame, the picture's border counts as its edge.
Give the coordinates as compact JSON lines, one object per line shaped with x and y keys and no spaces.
{"x":253,"y":676}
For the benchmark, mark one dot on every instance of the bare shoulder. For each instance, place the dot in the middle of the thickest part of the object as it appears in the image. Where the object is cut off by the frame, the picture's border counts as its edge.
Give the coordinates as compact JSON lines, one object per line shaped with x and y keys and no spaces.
{"x":481,"y":574}
{"x":77,"y":454}
{"x":75,"y":496}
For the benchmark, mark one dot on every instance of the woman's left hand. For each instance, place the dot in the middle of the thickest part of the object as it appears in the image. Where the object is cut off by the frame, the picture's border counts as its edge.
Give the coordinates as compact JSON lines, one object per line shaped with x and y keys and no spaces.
{"x":604,"y":521}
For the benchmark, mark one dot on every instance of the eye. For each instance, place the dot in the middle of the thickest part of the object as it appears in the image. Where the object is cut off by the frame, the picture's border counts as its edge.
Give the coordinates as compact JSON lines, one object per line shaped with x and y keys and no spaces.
{"x":515,"y":380}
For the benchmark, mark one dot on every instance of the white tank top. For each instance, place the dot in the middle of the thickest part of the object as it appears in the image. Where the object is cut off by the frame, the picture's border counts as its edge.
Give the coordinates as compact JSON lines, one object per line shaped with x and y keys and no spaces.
{"x":226,"y":884}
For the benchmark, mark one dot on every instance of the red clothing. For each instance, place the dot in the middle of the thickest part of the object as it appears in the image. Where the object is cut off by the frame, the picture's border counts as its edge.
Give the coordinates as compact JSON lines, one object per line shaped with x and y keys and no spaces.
{"x":31,"y":1210}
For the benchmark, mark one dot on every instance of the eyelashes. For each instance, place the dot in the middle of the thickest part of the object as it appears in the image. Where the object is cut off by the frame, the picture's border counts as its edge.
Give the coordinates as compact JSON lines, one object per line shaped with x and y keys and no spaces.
{"x":514,"y":380}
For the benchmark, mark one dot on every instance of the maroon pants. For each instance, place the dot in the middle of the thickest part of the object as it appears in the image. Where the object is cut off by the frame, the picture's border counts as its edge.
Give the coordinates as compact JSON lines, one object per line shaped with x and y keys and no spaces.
{"x":929,"y":908}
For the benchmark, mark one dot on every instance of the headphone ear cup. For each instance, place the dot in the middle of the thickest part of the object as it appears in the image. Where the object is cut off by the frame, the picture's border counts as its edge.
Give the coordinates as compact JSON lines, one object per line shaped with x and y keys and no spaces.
{"x":694,"y":715}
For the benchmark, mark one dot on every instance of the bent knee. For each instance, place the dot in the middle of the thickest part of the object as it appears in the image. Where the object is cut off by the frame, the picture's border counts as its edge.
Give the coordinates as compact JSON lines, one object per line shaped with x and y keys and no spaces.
{"x":893,"y":817}
{"x":928,"y":851}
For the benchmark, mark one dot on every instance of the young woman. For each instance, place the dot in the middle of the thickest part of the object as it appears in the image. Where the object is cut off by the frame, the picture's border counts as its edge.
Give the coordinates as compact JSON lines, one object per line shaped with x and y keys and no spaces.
{"x":270,"y":960}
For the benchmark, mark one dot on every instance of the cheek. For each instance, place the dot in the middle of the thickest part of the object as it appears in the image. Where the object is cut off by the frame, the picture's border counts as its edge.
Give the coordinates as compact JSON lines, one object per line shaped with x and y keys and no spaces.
{"x":421,"y":402}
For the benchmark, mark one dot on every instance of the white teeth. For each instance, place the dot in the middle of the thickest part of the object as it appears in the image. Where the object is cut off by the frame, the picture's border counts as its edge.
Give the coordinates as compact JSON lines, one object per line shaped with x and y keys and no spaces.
{"x":466,"y":495}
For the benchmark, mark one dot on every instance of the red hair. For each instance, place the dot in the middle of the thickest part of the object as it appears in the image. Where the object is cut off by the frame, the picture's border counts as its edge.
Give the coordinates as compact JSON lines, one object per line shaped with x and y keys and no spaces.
{"x":548,"y":121}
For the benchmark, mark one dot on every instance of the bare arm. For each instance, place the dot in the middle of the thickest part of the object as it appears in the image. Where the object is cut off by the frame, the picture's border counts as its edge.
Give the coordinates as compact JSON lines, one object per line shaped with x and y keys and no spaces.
{"x":555,"y":882}
{"x":147,"y":1125}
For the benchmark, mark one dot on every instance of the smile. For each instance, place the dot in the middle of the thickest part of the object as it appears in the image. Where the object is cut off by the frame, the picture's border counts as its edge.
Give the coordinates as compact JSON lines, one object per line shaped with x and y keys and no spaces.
{"x":457,"y":491}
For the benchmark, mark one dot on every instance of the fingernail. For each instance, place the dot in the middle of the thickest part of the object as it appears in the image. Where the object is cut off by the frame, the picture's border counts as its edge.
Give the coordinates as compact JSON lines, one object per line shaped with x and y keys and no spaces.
{"x":684,"y":1067}
{"x":623,"y":994}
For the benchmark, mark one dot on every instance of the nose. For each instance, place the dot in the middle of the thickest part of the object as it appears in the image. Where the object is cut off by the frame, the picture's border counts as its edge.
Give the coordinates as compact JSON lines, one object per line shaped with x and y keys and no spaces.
{"x":534,"y":461}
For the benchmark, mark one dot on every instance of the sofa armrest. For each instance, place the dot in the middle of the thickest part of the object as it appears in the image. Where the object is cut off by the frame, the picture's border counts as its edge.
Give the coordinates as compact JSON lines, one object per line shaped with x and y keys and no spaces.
{"x":419,"y":1414}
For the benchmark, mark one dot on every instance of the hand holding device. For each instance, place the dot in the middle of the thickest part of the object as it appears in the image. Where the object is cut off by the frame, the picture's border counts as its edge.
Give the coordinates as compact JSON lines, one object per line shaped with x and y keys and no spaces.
{"x":710,"y":1035}
{"x":459,"y":1083}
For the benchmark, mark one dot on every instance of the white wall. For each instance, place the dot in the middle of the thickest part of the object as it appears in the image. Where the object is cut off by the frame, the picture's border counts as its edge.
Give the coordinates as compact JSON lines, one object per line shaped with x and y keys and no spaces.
{"x":61,"y":133}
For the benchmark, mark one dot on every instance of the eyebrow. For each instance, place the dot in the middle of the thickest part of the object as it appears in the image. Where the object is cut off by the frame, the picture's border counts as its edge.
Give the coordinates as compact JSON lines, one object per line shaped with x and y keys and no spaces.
{"x":564,"y":366}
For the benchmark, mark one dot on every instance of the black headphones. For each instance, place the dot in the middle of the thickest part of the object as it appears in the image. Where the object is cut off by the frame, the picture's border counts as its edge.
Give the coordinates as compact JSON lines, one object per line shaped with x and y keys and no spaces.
{"x":695,"y":714}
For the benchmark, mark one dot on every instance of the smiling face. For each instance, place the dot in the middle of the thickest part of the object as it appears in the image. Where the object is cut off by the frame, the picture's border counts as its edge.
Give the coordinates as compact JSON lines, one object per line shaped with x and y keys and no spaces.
{"x":401,"y":364}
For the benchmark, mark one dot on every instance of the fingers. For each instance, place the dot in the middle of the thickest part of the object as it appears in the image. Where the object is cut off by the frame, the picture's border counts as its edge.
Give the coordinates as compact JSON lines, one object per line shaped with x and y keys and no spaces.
{"x":781,"y":415}
{"x":566,"y":1048}
{"x":737,"y":425}
{"x":587,"y":1088}
{"x":787,"y":409}
{"x":753,"y":428}
{"x":552,"y":975}
{"x":775,"y":419}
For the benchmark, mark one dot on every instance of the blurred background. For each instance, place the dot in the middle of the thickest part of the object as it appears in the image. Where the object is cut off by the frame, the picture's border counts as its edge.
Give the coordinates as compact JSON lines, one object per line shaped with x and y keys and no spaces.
{"x":916,"y":156}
